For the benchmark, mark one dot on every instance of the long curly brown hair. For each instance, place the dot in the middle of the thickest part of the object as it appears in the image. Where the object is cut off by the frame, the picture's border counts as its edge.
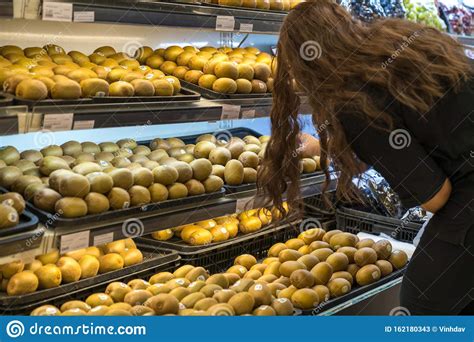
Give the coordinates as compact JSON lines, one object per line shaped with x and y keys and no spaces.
{"x":332,"y":58}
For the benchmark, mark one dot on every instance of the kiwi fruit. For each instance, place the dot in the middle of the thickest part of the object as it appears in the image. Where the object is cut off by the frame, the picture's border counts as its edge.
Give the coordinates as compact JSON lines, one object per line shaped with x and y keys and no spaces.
{"x":225,"y":85}
{"x":137,"y":297}
{"x":141,"y":310}
{"x":288,"y":267}
{"x":276,"y":249}
{"x":289,"y":255}
{"x":74,"y":185}
{"x":368,"y":274}
{"x":352,"y":269}
{"x":322,"y":272}
{"x":213,"y":184}
{"x":203,"y":149}
{"x":218,"y":279}
{"x":305,"y":299}
{"x":89,"y":266}
{"x":302,"y":279}
{"x":99,"y":299}
{"x":232,"y":278}
{"x":339,"y":287}
{"x":196,"y":274}
{"x":161,"y":278}
{"x":86,"y":167}
{"x":365,"y":243}
{"x":322,"y":292}
{"x":343,"y":274}
{"x":342,"y":240}
{"x":31,"y":89}
{"x":139,"y":195}
{"x":322,"y":253}
{"x":242,"y":303}
{"x":49,"y":276}
{"x":385,"y":267}
{"x":383,"y":248}
{"x":177,"y":190}
{"x":30,"y":155}
{"x":14,"y":200}
{"x":338,"y":261}
{"x":274,"y":269}
{"x":22,"y":283}
{"x":365,"y":256}
{"x":283,"y":307}
{"x":221,"y":309}
{"x":8,"y":216}
{"x":70,"y":269}
{"x":110,"y":262}
{"x":46,"y":310}
{"x":163,"y":304}
{"x":71,"y":207}
{"x":52,"y":163}
{"x":204,"y":304}
{"x":349,"y":252}
{"x":165,"y":174}
{"x":398,"y":259}
{"x":8,"y":175}
{"x":66,"y":90}
{"x":209,"y":289}
{"x":75,"y":304}
{"x":100,"y":182}
{"x":224,"y":295}
{"x":242,"y":285}
{"x":245,"y":260}
{"x":138,"y":284}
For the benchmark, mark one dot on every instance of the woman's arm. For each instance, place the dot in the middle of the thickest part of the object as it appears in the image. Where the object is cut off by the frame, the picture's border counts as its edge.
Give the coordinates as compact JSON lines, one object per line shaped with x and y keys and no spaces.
{"x":439,"y":199}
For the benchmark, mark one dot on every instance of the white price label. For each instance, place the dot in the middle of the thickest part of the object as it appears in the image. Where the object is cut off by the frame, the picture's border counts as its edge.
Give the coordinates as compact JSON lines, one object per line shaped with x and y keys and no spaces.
{"x":84,"y":17}
{"x":57,"y":11}
{"x":246,"y":27}
{"x":58,"y":122}
{"x":103,"y":238}
{"x":225,"y":23}
{"x":248,"y":114}
{"x":244,"y":204}
{"x":230,"y":112}
{"x":75,"y":241}
{"x":84,"y":124}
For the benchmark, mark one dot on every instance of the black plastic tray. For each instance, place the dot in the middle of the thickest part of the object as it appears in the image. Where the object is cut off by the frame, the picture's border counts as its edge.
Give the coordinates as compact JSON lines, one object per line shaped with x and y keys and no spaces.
{"x":184,"y":95}
{"x":210,"y":94}
{"x":239,"y":132}
{"x":243,"y":8}
{"x":356,"y":291}
{"x":355,"y":221}
{"x":28,"y":222}
{"x":122,"y":214}
{"x":5,"y":100}
{"x":152,"y":259}
{"x":218,"y":257}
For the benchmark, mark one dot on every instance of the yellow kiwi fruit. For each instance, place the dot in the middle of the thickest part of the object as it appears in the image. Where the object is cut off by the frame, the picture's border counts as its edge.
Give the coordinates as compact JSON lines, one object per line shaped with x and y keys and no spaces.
{"x":331,"y":233}
{"x":398,"y":259}
{"x":322,"y":272}
{"x":305,"y":299}
{"x":383,"y":248}
{"x":343,"y":240}
{"x":288,"y":267}
{"x":368,"y":274}
{"x":365,"y":243}
{"x":338,"y":261}
{"x":365,"y":256}
{"x":322,"y":253}
{"x":339,"y":287}
{"x":385,"y":267}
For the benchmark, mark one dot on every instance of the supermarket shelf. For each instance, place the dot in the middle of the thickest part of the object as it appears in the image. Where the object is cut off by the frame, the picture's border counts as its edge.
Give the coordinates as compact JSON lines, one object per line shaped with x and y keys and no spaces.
{"x":466,"y":40}
{"x":178,"y":14}
{"x":13,"y":119}
{"x":132,"y":114}
{"x":27,"y":242}
{"x":142,"y":224}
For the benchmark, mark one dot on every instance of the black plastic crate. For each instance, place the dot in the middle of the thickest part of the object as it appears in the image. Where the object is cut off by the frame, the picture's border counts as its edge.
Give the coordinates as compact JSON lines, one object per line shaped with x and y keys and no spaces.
{"x":315,"y":207}
{"x":218,"y":257}
{"x":355,"y":221}
{"x":153,"y":261}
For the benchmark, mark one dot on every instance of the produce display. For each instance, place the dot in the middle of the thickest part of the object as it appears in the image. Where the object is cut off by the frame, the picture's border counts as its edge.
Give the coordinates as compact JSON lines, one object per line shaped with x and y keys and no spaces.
{"x":77,"y":179}
{"x":219,"y":229}
{"x":425,"y":12}
{"x":223,"y":70}
{"x":12,"y":206}
{"x":459,"y":18}
{"x":52,"y":269}
{"x":276,"y":5}
{"x":36,"y":73}
{"x":301,"y":273}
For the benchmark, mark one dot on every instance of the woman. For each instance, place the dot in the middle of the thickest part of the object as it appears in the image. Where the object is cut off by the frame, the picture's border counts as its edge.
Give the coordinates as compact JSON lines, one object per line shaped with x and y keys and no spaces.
{"x":396,"y":95}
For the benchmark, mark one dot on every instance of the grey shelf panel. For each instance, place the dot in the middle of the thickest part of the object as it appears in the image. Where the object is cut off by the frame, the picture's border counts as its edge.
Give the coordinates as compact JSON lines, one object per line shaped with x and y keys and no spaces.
{"x":179,"y":14}
{"x":22,"y":242}
{"x":12,"y":119}
{"x":132,"y":114}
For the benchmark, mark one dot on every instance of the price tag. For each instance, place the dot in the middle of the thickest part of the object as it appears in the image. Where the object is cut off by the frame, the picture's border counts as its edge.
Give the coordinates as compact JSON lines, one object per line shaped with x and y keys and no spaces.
{"x":246,"y":27}
{"x":225,"y":23}
{"x":75,"y":241}
{"x":103,"y":238}
{"x":84,"y":17}
{"x":244,"y":204}
{"x":230,"y":112}
{"x":248,"y":114}
{"x":84,"y":124}
{"x":57,"y":11}
{"x":58,"y":122}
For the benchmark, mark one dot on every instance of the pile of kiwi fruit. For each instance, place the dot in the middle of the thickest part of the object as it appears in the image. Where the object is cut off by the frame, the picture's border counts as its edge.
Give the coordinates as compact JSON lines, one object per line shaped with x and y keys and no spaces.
{"x":223,"y":70}
{"x":12,"y":206}
{"x":52,"y":269}
{"x":38,"y":73}
{"x":78,"y":179}
{"x":274,"y":5}
{"x":219,"y":229}
{"x":302,"y":273}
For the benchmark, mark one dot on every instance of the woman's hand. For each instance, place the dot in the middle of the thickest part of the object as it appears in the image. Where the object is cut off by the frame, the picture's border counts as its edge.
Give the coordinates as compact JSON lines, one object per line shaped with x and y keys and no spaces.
{"x":439,"y":200}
